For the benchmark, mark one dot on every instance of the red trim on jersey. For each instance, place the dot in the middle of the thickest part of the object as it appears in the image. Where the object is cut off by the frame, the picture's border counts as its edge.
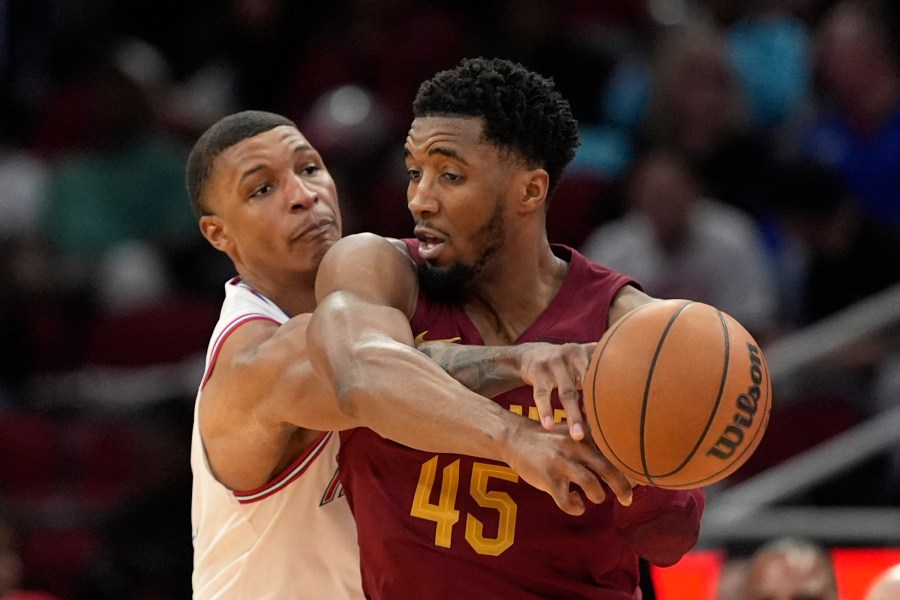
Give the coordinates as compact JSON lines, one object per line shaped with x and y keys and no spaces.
{"x":334,"y":490}
{"x":295,"y":470}
{"x":238,"y":281}
{"x":227,"y":331}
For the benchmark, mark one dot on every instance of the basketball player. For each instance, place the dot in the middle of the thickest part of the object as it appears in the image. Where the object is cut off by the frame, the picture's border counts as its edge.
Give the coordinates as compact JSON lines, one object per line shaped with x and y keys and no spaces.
{"x":486,"y":149}
{"x":790,"y":569}
{"x":886,"y":586}
{"x":269,"y":517}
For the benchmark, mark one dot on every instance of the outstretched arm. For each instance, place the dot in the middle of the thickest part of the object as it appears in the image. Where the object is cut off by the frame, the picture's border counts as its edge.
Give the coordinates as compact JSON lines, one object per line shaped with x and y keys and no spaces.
{"x":361,"y":344}
{"x":660,"y":525}
{"x":492,"y":370}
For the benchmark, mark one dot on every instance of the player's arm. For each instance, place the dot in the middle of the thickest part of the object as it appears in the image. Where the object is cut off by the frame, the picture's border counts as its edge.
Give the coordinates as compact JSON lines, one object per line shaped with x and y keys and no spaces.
{"x":259,"y":391}
{"x":360,"y":343}
{"x":661,"y":525}
{"x":492,"y":370}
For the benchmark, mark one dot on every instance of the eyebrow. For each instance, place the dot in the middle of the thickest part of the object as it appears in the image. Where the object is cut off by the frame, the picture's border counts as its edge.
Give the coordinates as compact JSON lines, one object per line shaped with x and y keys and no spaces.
{"x":297,"y":149}
{"x":449,"y":153}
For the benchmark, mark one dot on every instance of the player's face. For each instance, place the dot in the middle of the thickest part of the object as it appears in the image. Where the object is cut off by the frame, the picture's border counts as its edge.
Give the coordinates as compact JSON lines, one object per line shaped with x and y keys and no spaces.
{"x":458,"y":193}
{"x":792,"y":577}
{"x":274,"y":205}
{"x":664,"y":193}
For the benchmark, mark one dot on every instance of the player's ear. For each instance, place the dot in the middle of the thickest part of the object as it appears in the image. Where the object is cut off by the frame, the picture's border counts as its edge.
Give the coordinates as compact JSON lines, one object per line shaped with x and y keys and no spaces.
{"x":213,"y":229}
{"x":536,"y":185}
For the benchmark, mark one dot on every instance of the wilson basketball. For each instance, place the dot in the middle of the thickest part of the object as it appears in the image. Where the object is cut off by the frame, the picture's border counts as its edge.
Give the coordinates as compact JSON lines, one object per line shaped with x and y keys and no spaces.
{"x":677,"y":394}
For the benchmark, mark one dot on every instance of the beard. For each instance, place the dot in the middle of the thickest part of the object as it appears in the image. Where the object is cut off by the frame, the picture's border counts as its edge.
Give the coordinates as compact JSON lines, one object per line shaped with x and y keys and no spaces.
{"x":454,"y":284}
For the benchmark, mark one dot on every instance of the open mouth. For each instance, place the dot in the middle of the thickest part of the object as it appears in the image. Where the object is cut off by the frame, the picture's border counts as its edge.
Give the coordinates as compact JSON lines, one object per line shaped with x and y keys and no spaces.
{"x":430,"y":245}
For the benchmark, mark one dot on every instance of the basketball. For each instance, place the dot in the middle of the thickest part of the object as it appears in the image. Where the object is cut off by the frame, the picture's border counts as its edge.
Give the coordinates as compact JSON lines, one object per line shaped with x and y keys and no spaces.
{"x":677,"y":394}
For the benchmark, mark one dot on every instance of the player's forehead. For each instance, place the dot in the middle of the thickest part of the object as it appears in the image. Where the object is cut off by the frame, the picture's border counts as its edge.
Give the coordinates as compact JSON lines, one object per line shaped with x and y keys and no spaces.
{"x":432,"y":135}
{"x":273,"y":144}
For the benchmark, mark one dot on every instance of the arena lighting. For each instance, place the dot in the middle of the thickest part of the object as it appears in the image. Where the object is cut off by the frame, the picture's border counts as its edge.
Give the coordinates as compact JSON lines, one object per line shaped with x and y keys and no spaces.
{"x":349,"y":105}
{"x":668,"y":12}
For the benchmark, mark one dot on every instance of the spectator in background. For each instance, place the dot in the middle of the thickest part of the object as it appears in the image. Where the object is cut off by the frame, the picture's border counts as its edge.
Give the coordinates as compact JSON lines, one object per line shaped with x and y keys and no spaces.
{"x":770,"y":49}
{"x":843,"y":242}
{"x":11,"y":561}
{"x":696,"y":109}
{"x":886,"y":587}
{"x":125,"y":186}
{"x":848,"y":255}
{"x":732,"y":578}
{"x":23,"y":176}
{"x":124,"y":271}
{"x":351,"y":92}
{"x":857,"y":130}
{"x":789,"y":569}
{"x":680,"y":244}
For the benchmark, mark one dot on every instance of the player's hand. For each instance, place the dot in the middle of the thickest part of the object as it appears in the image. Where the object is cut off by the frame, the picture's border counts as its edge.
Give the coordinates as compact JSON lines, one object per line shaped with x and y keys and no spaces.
{"x":560,"y":367}
{"x":551,"y":461}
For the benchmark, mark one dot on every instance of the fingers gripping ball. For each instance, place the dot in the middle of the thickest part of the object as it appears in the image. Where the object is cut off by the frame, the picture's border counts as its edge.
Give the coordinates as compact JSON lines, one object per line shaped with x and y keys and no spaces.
{"x":677,"y":394}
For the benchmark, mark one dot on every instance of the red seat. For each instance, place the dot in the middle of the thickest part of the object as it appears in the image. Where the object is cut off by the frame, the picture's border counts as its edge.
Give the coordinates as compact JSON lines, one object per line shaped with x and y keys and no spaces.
{"x":29,"y":455}
{"x":101,"y":457}
{"x":55,"y":560}
{"x":162,"y":333}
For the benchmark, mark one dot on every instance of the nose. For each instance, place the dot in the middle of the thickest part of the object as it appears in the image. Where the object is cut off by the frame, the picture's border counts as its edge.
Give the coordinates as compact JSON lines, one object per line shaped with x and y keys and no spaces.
{"x":421,"y":199}
{"x":302,"y":194}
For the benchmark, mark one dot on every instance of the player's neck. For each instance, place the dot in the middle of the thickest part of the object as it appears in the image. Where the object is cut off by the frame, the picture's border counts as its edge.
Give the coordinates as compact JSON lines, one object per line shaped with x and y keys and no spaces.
{"x":510,"y":297}
{"x":293,"y":297}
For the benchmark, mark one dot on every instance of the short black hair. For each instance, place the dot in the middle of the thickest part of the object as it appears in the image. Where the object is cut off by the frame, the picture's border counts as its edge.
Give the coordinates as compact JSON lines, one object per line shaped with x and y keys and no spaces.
{"x":223,"y":134}
{"x":522,"y":111}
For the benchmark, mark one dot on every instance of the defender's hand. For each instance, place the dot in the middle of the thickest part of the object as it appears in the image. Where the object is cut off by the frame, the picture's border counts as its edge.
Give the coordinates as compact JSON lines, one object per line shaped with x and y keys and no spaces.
{"x":552,"y":460}
{"x":547,"y":367}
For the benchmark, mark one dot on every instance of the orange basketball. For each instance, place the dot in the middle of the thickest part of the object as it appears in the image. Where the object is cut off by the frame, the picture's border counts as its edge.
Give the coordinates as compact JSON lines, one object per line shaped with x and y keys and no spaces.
{"x":677,"y":394}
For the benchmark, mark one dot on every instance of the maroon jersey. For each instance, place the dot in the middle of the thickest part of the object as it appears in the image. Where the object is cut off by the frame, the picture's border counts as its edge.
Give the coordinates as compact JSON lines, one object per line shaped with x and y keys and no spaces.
{"x":448,"y":526}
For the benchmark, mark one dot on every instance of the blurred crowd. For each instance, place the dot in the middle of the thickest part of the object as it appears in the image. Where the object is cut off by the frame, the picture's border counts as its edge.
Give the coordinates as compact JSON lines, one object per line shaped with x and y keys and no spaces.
{"x":744,"y":153}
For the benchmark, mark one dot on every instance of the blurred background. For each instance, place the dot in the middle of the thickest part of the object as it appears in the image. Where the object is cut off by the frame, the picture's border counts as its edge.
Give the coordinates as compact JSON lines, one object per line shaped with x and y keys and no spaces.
{"x":744,"y":153}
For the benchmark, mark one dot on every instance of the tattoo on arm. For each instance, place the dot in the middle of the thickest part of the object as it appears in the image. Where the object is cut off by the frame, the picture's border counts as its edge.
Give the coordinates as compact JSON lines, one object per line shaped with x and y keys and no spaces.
{"x":487,"y":370}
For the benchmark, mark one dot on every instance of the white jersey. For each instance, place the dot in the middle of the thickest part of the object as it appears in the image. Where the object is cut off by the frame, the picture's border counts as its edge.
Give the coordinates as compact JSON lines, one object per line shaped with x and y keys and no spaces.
{"x":291,"y":538}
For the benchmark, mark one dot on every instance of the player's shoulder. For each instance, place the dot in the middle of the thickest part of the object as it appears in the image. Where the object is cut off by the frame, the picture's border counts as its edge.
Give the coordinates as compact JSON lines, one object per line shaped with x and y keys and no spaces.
{"x":360,"y":248}
{"x":400,"y":245}
{"x":590,"y":267}
{"x":362,"y":239}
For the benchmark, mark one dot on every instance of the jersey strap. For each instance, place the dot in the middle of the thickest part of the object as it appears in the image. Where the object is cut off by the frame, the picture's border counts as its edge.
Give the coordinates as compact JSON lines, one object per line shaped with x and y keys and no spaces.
{"x":226,"y":331}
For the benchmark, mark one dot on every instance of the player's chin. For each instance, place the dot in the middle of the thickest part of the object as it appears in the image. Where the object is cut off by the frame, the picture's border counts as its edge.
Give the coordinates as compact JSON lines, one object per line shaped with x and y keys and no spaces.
{"x":313,"y":250}
{"x":452,"y":259}
{"x":437,"y":265}
{"x":321,"y":242}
